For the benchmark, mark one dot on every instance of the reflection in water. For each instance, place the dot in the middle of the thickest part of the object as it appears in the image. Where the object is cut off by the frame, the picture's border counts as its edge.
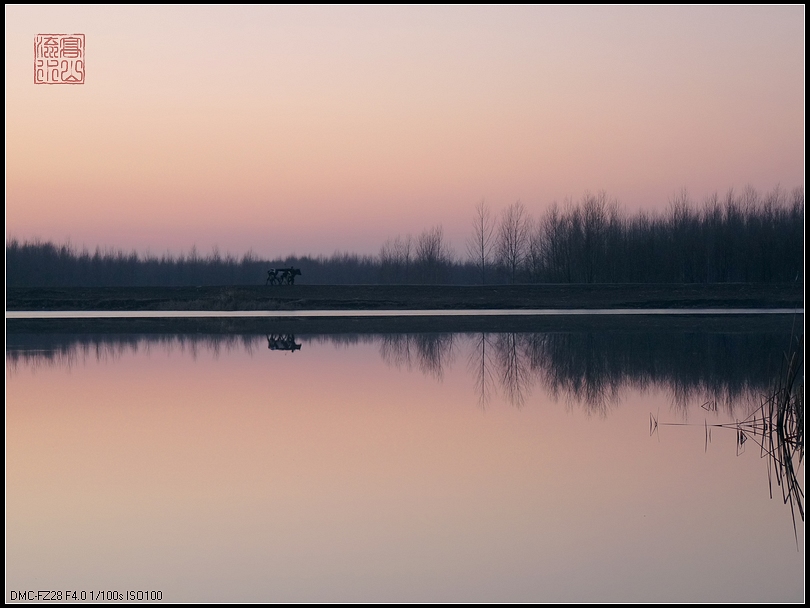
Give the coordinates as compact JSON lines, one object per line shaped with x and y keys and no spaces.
{"x":777,"y":428}
{"x":430,"y":352}
{"x":480,"y":364}
{"x":68,"y":350}
{"x":585,"y":368}
{"x":513,"y":367}
{"x":282,"y":342}
{"x":353,"y":480}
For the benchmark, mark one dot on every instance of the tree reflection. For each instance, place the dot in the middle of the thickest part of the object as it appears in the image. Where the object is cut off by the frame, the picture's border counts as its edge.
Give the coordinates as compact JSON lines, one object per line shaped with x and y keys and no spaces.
{"x":592,"y":368}
{"x":579,"y":368}
{"x":480,"y":364}
{"x":589,"y":368}
{"x":431,"y":353}
{"x":513,"y":367}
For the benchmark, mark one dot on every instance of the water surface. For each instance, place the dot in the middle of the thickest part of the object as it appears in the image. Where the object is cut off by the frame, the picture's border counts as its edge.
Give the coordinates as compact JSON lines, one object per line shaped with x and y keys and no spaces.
{"x":422,"y":467}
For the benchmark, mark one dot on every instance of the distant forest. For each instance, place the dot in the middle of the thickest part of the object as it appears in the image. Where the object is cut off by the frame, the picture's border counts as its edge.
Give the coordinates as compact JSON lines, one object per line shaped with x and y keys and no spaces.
{"x":743,"y":237}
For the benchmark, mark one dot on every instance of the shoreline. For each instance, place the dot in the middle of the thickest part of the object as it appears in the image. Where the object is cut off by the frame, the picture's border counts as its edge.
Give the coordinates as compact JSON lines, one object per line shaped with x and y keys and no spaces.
{"x":409,"y":297}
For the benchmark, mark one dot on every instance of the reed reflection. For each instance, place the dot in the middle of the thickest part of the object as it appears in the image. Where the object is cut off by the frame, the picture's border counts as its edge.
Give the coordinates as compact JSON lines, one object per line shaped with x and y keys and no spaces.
{"x":776,"y":427}
{"x":585,"y":368}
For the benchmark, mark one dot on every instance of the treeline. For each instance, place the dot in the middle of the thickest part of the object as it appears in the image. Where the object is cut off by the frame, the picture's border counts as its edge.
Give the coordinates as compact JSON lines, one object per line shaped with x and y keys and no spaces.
{"x":742,"y":237}
{"x":42,"y":264}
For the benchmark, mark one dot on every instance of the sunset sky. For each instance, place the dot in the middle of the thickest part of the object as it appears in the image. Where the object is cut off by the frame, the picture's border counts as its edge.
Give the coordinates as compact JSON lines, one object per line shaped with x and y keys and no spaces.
{"x":314,"y":129}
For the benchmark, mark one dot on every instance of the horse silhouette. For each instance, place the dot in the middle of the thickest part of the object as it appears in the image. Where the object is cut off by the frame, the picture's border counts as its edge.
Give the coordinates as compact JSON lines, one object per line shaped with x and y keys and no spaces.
{"x":282,"y":276}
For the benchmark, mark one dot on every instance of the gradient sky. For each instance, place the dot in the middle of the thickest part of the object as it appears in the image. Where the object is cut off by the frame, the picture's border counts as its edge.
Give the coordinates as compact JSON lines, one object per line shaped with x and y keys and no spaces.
{"x":315,"y":129}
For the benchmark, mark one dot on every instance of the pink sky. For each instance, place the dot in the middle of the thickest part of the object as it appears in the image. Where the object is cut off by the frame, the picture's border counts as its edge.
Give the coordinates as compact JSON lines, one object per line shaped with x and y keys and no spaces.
{"x":315,"y":129}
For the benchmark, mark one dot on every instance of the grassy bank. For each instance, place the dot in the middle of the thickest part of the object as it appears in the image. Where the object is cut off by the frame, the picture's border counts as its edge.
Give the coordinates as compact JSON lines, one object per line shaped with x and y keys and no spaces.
{"x":410,"y":297}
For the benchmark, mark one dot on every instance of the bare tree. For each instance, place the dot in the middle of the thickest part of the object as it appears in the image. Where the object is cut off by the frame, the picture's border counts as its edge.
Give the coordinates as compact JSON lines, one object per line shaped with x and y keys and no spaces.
{"x":387,"y":261}
{"x":481,"y":243}
{"x":513,"y":239}
{"x":395,"y":259}
{"x":433,"y":255}
{"x":596,"y":211}
{"x":550,"y":237}
{"x":535,"y":255}
{"x":404,"y":250}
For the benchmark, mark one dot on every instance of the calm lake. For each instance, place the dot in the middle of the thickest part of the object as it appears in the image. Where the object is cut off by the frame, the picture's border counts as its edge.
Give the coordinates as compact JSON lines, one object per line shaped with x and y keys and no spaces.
{"x":488,"y":467}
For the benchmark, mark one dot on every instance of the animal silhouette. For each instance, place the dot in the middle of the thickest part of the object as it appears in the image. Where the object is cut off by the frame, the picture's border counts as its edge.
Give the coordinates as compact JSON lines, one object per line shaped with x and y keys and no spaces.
{"x":282,"y":276}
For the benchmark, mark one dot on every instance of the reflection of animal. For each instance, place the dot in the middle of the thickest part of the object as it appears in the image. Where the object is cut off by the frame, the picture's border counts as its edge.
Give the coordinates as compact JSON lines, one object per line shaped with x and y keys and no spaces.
{"x":282,"y":276}
{"x":282,"y":342}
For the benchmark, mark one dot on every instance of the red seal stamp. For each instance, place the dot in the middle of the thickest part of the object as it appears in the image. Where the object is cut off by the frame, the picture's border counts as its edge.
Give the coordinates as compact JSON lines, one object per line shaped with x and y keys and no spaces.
{"x":59,"y":59}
